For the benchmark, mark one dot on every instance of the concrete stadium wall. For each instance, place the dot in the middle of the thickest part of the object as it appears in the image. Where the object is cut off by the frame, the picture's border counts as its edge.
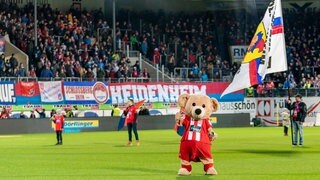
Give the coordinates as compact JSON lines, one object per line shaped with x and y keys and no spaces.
{"x":18,"y":54}
{"x":26,"y":126}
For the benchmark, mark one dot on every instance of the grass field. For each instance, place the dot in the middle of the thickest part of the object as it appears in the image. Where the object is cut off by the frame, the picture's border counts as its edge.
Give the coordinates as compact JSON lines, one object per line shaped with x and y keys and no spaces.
{"x":239,"y":153}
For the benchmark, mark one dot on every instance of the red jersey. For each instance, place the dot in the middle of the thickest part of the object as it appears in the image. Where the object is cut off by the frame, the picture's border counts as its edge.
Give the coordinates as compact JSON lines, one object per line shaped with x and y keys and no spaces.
{"x":59,"y":122}
{"x":196,"y":130}
{"x":131,"y":112}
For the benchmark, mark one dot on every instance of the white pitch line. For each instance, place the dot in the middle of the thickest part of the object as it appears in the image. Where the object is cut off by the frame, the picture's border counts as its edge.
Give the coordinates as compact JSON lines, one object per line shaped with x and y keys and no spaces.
{"x":9,"y":136}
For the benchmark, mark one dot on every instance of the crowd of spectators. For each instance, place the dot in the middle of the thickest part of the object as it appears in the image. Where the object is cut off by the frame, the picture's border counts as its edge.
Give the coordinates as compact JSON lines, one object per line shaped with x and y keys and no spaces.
{"x":68,"y":45}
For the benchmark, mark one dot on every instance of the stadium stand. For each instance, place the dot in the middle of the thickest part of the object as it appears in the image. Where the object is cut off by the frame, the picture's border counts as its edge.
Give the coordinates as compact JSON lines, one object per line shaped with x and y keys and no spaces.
{"x":192,"y":46}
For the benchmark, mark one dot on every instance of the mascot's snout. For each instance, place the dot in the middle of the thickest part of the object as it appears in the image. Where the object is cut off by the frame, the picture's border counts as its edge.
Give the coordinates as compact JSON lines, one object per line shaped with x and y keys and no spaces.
{"x":198,"y":111}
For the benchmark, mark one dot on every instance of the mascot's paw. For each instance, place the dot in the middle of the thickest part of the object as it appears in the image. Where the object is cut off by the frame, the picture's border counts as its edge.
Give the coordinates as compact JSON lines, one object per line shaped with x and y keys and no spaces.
{"x":213,"y":135}
{"x":183,"y":172}
{"x":211,"y":171}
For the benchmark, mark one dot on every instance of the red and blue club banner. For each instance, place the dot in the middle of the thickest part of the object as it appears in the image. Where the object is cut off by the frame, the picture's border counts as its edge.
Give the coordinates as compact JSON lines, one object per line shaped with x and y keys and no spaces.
{"x":27,"y":93}
{"x":86,"y":93}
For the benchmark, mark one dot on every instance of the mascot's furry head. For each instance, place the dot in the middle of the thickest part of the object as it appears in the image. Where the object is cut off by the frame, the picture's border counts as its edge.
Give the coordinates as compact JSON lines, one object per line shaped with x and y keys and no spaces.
{"x":198,"y":106}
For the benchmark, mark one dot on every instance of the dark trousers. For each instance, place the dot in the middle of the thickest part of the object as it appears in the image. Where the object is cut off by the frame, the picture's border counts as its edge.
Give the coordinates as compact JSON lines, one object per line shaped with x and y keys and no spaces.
{"x":285,"y":130}
{"x":132,"y":126}
{"x":59,"y":136}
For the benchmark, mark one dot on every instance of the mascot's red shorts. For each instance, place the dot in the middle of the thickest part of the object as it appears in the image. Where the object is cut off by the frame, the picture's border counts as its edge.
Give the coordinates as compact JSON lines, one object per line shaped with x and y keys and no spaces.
{"x":194,"y":151}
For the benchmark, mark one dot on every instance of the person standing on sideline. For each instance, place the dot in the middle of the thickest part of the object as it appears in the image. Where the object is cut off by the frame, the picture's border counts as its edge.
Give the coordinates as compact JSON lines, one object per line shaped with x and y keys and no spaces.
{"x":115,"y":111}
{"x":285,"y":121}
{"x":58,"y":120}
{"x":299,"y":109}
{"x":131,"y":119}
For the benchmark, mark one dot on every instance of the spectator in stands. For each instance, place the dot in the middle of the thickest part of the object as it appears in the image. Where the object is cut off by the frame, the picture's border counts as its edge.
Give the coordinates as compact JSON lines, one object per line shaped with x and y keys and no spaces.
{"x":146,"y":74}
{"x":250,"y":92}
{"x":32,"y":115}
{"x":261,"y":90}
{"x":156,"y":56}
{"x":134,"y":72}
{"x":144,"y":47}
{"x":32,"y":72}
{"x":22,"y":115}
{"x":204,"y":76}
{"x":2,"y":60}
{"x":307,"y":84}
{"x":53,"y":112}
{"x":5,"y":113}
{"x":22,"y":71}
{"x":144,"y":111}
{"x":42,"y":113}
{"x":46,"y":73}
{"x":269,"y":87}
{"x":317,"y":85}
{"x":69,"y":113}
{"x":171,"y":64}
{"x":13,"y":62}
{"x":115,"y":111}
{"x":195,"y":69}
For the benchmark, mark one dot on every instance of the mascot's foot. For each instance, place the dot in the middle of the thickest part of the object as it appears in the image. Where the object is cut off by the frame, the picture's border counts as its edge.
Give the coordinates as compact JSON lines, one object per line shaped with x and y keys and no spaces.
{"x":211,"y":171}
{"x":183,"y":172}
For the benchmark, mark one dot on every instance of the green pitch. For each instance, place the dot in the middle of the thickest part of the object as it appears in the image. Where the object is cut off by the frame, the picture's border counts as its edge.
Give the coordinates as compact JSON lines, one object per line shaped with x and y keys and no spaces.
{"x":239,"y":153}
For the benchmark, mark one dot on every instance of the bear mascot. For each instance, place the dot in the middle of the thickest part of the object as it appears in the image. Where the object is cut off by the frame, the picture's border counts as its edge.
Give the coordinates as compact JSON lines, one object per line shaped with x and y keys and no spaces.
{"x":197,"y":135}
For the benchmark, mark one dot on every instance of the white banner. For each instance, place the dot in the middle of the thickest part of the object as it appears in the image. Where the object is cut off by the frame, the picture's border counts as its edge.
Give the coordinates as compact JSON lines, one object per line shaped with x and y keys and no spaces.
{"x":269,"y":109}
{"x":51,"y":91}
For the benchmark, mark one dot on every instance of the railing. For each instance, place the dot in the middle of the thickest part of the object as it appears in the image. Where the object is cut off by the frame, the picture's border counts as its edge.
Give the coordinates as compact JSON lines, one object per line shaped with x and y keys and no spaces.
{"x":76,"y":79}
{"x":279,"y":92}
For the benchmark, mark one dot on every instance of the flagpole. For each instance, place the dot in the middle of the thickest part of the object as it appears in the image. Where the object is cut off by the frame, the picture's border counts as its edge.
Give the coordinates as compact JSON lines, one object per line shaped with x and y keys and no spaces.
{"x":291,"y":124}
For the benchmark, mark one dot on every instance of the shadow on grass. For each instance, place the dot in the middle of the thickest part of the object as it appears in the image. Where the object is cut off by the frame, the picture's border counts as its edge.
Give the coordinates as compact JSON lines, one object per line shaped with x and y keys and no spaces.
{"x":269,"y":152}
{"x":144,"y":170}
{"x":195,"y":177}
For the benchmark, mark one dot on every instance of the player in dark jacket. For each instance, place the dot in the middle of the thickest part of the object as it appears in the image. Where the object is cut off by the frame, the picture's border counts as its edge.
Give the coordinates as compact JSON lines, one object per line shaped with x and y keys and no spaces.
{"x":298,"y":116}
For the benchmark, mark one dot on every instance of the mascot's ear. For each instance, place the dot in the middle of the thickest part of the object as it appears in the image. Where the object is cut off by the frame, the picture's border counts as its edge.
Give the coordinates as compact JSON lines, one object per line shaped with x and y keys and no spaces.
{"x":215,"y":104}
{"x":182,"y":100}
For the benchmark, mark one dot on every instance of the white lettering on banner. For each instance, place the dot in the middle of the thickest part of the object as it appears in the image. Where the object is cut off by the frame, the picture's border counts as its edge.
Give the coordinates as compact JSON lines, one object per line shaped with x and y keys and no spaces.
{"x":134,"y":89}
{"x":174,"y":92}
{"x":163,"y":93}
{"x":115,"y":92}
{"x":143,"y":93}
{"x":126,"y":91}
{"x":184,"y":89}
{"x":78,"y":92}
{"x":153,"y":93}
{"x":7,"y":93}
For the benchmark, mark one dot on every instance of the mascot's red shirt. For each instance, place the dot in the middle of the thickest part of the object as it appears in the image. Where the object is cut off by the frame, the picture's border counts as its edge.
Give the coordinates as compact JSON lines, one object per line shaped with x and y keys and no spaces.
{"x":196,"y":130}
{"x":59,"y":122}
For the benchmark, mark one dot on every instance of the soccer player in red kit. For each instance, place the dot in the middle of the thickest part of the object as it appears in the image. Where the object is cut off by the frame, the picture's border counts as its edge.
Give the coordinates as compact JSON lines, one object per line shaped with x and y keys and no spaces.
{"x":131,"y":120}
{"x":58,"y":120}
